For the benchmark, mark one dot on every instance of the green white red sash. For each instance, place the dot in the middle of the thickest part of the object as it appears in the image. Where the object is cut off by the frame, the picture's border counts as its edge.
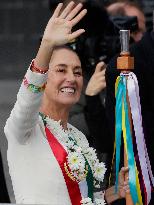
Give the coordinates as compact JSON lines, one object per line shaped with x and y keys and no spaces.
{"x":60,"y":154}
{"x":77,"y":189}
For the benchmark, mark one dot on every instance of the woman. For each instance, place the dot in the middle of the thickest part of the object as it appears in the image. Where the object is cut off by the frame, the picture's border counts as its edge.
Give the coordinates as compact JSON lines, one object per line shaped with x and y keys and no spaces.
{"x":50,"y":161}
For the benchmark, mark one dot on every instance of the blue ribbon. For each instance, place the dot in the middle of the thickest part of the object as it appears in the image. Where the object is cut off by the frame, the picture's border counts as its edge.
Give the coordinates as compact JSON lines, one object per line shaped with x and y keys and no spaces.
{"x":121,"y":95}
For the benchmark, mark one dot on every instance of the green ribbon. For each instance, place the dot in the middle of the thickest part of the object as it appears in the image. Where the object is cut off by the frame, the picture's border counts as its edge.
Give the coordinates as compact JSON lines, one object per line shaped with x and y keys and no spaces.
{"x":121,"y":96}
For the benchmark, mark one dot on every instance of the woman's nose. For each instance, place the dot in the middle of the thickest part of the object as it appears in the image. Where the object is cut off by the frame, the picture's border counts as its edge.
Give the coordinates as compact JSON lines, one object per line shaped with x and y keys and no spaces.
{"x":71,"y":77}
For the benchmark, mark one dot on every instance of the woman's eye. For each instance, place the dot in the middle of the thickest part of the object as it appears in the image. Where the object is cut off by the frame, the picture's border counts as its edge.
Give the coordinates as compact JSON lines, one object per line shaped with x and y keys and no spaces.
{"x":61,"y":70}
{"x":78,"y":73}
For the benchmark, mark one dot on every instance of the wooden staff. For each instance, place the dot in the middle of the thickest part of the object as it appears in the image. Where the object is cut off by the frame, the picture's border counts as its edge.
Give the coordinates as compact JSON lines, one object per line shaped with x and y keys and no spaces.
{"x":125,"y":63}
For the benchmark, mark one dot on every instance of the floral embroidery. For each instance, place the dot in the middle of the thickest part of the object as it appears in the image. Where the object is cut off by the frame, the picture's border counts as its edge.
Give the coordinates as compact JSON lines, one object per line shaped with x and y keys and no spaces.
{"x":33,"y":88}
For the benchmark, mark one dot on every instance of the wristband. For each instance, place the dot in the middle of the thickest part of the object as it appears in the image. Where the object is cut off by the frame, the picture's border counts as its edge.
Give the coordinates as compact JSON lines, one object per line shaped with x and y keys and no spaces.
{"x":33,"y":88}
{"x":39,"y":70}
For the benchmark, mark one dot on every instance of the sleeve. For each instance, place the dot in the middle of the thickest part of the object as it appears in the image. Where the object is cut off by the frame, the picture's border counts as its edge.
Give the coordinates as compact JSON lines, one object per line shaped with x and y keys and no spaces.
{"x":25,"y":113}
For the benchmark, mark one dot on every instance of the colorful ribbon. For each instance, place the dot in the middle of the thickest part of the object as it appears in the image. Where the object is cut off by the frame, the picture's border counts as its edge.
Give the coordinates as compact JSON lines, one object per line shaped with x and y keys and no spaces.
{"x":33,"y":88}
{"x":124,"y":83}
{"x":122,"y":117}
{"x":133,"y":93}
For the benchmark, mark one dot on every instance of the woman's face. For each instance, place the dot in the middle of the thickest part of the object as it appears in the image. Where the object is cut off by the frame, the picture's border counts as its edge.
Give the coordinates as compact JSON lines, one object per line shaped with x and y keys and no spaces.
{"x":65,"y":78}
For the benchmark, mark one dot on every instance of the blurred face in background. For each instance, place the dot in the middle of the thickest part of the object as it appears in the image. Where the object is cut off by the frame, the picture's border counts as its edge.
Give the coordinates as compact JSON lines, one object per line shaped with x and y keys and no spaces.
{"x":125,"y":9}
{"x":132,"y":11}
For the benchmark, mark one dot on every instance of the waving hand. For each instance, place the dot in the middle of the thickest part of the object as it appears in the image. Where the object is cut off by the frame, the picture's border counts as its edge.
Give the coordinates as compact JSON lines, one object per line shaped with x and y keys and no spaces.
{"x":59,"y":27}
{"x":59,"y":31}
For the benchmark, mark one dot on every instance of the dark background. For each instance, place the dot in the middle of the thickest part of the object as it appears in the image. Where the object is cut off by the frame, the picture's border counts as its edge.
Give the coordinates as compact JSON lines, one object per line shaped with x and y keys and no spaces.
{"x":21,"y":24}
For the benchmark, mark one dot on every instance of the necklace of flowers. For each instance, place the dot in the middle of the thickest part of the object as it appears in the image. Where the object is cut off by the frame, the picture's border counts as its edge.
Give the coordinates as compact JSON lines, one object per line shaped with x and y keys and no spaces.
{"x":77,"y":147}
{"x":88,"y":201}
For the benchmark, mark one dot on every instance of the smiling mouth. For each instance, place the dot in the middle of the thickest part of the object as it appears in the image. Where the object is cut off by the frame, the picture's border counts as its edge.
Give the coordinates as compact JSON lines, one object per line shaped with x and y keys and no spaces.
{"x":68,"y":90}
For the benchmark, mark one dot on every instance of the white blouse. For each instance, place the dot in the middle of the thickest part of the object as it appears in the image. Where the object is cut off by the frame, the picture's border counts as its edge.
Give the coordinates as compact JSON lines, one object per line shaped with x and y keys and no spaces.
{"x":35,"y":173}
{"x":34,"y":170}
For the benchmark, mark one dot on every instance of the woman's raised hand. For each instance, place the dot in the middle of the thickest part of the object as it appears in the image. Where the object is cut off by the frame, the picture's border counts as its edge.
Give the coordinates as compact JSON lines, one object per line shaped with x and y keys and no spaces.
{"x":59,"y":31}
{"x":59,"y":28}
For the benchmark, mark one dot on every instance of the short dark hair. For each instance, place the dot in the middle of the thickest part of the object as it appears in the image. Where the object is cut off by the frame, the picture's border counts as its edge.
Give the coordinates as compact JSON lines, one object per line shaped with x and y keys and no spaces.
{"x":68,"y":47}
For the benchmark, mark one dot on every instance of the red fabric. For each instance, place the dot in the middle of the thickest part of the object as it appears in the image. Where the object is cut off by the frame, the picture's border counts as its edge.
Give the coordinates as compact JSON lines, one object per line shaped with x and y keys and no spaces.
{"x":60,"y":154}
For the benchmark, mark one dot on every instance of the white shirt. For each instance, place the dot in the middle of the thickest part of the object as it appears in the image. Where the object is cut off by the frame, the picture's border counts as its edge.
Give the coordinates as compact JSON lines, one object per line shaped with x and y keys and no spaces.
{"x":34,"y":170}
{"x":35,"y":173}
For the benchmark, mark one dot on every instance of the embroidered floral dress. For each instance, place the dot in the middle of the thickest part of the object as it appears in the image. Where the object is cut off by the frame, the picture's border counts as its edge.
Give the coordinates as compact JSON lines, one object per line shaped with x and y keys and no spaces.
{"x":48,"y":165}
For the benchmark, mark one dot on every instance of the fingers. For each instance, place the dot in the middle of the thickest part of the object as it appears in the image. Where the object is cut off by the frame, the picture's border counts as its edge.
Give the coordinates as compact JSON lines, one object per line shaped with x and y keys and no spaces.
{"x":126,"y":187}
{"x":57,"y":10}
{"x":69,"y":13}
{"x":127,"y":190}
{"x":76,"y":34}
{"x":100,"y":66}
{"x":123,"y":181}
{"x":67,"y":10}
{"x":74,"y":12}
{"x":79,"y":17}
{"x":124,"y":170}
{"x":122,"y":175}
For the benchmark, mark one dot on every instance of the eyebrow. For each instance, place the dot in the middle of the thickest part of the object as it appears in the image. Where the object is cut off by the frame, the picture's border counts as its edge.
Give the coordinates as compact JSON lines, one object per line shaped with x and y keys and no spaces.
{"x":64,"y":66}
{"x":61,"y":64}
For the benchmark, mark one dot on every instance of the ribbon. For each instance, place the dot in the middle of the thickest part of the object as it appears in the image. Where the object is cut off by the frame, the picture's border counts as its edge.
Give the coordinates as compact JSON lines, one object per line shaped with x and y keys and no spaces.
{"x":60,"y":154}
{"x":119,"y":95}
{"x":125,"y":144}
{"x":114,"y":149}
{"x":147,"y":156}
{"x":130,"y":155}
{"x":122,"y":117}
{"x":133,"y":92}
{"x":90,"y":181}
{"x":123,"y":84}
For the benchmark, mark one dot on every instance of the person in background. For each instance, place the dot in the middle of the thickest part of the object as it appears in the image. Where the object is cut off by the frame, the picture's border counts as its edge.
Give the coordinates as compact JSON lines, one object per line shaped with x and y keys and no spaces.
{"x":96,"y":118}
{"x":143,"y":52}
{"x":95,"y":108}
{"x":127,"y":8}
